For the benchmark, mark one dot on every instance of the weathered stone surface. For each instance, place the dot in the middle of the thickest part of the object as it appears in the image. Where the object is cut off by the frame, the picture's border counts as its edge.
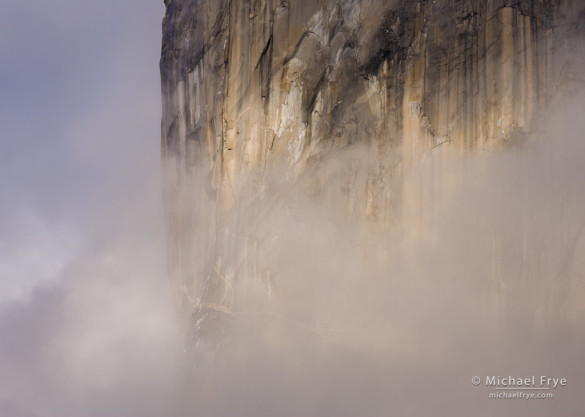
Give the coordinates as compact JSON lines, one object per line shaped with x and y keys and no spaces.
{"x":257,"y":86}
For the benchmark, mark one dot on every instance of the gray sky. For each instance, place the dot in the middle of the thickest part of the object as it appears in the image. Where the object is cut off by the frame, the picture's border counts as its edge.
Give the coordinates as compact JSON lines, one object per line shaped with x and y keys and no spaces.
{"x":85,"y":317}
{"x":79,"y":111}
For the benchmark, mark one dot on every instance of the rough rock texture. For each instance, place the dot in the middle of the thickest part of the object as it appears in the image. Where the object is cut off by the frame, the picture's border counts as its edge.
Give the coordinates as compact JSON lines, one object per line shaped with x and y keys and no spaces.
{"x":252,"y":87}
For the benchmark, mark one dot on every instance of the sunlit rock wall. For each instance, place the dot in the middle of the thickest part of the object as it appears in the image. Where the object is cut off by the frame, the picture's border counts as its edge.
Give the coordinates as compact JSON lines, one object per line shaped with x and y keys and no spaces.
{"x":258,"y":94}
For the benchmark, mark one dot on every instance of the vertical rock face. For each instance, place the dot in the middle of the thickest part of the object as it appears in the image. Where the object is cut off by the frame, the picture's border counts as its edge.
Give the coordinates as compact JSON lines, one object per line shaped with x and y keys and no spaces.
{"x":260,"y":97}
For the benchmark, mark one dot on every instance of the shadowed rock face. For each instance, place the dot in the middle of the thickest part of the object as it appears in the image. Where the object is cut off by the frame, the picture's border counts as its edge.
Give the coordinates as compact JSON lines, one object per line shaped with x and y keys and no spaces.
{"x":261,"y":96}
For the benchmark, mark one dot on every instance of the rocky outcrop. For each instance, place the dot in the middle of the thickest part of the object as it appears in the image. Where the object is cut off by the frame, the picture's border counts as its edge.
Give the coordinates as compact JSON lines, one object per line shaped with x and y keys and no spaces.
{"x":256,"y":87}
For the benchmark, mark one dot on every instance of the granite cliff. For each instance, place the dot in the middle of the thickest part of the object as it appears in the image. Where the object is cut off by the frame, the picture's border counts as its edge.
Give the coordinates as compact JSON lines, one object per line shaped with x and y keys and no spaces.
{"x":359,"y":105}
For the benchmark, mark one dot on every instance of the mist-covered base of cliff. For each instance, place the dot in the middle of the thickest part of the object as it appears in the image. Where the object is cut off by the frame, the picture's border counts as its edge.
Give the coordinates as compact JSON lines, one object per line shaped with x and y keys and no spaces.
{"x":368,"y":321}
{"x":362,"y":323}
